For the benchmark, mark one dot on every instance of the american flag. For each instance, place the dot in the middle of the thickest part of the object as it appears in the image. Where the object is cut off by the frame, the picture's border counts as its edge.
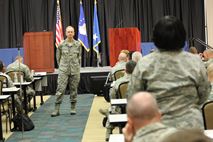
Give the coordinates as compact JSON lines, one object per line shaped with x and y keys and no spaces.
{"x":59,"y":31}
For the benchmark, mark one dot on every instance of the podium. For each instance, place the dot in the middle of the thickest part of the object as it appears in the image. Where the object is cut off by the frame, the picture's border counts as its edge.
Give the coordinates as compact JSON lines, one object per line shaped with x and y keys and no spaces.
{"x":39,"y":51}
{"x":123,"y":38}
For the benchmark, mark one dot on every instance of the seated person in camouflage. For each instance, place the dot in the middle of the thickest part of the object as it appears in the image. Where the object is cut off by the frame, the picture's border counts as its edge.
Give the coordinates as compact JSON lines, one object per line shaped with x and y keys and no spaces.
{"x":122,"y":59}
{"x":177,"y":79}
{"x":144,"y":119}
{"x":114,"y":94}
{"x":128,"y":71}
{"x":114,"y":86}
{"x":18,"y":65}
{"x":9,"y":83}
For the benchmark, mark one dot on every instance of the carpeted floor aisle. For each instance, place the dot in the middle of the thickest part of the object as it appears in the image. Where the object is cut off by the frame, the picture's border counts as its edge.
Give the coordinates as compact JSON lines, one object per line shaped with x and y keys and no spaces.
{"x":64,"y":128}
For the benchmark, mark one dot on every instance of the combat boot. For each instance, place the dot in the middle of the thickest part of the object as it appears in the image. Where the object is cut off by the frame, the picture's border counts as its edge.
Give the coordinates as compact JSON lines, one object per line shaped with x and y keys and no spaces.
{"x":73,"y":109}
{"x":56,"y":111}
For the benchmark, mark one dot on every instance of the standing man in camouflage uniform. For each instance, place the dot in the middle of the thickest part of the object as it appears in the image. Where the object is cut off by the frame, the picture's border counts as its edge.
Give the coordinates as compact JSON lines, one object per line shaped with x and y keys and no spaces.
{"x":69,"y":60}
{"x":176,"y":78}
{"x":144,"y":120}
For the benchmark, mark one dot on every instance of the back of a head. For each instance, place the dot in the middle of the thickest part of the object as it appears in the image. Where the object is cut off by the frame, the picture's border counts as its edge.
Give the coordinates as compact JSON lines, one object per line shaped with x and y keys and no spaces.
{"x":130,"y":66}
{"x":188,"y":135}
{"x":169,"y":34}
{"x":143,"y":106}
{"x":122,"y":57}
{"x":193,"y":50}
{"x":136,"y":56}
{"x":125,"y":51}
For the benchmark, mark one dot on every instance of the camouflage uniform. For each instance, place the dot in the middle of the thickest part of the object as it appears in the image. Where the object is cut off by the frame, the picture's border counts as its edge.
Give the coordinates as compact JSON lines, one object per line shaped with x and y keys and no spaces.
{"x":17,"y":66}
{"x":113,"y":95}
{"x":114,"y":88}
{"x":155,"y":132}
{"x":69,"y":60}
{"x":178,"y":80}
{"x":24,"y":68}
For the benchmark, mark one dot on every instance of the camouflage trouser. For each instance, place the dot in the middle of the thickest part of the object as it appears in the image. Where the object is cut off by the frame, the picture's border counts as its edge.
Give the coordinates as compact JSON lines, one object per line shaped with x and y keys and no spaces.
{"x":62,"y":85}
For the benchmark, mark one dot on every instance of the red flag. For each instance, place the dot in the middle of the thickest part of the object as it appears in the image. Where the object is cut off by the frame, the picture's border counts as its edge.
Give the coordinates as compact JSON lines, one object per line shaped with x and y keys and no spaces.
{"x":59,"y":31}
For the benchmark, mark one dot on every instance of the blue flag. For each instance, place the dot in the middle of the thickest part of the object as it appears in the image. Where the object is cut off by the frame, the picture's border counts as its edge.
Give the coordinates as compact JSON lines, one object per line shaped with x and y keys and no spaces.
{"x":82,"y":30}
{"x":96,"y":32}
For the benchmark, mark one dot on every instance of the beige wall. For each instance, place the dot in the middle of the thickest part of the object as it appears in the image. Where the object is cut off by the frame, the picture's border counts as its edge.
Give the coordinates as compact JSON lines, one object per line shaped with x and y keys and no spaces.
{"x":209,"y":5}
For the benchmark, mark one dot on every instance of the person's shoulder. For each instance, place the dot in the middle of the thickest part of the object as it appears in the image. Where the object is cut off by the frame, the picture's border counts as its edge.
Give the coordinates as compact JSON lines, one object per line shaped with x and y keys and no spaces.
{"x":148,"y":59}
{"x":61,"y":44}
{"x":77,"y":43}
{"x":192,"y":57}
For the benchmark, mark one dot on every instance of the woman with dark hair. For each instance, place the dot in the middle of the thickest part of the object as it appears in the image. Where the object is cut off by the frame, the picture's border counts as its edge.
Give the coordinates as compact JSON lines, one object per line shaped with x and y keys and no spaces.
{"x":176,"y":78}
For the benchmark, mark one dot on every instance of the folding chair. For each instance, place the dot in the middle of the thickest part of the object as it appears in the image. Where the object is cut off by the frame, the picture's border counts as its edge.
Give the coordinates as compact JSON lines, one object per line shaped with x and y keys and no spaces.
{"x":207,"y":110}
{"x":119,"y":73}
{"x":16,"y":76}
{"x":122,"y":89}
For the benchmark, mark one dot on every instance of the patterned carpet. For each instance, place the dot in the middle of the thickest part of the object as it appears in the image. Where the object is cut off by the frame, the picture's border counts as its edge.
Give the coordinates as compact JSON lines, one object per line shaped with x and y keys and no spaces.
{"x":64,"y":128}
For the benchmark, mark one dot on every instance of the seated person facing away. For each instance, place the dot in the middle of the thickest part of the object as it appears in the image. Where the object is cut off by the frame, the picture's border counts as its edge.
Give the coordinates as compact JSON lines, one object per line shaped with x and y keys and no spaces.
{"x":128,"y":71}
{"x":177,"y":79}
{"x":10,"y":84}
{"x":114,"y":94}
{"x":143,"y":117}
{"x":114,"y":86}
{"x":18,"y":65}
{"x":122,"y":59}
{"x":187,"y":135}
